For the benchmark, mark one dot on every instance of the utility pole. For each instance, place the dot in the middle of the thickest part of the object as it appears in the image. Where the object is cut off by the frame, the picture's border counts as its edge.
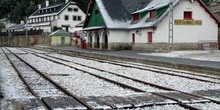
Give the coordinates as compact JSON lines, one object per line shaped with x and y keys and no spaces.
{"x":26,"y":32}
{"x":170,"y":41}
{"x":9,"y":35}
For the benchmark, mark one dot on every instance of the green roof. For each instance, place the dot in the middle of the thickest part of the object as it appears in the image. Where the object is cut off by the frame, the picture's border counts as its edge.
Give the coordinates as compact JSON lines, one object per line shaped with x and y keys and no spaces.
{"x":60,"y":33}
{"x":1,"y":25}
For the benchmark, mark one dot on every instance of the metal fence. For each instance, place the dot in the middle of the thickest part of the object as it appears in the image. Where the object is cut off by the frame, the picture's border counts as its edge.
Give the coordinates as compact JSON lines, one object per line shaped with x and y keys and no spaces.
{"x":21,"y":33}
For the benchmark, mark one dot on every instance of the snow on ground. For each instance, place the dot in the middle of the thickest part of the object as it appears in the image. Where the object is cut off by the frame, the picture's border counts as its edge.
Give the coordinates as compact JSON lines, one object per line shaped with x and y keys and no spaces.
{"x":175,"y":82}
{"x":206,"y":106}
{"x":34,"y":50}
{"x":77,"y":82}
{"x":86,"y":85}
{"x":164,"y":107}
{"x":208,"y":55}
{"x":1,"y":51}
{"x":15,"y":50}
{"x":11,"y":86}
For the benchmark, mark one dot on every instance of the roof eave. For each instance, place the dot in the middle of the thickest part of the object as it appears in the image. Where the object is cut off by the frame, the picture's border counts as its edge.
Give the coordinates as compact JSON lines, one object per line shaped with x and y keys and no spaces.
{"x":143,"y":10}
{"x":209,"y":12}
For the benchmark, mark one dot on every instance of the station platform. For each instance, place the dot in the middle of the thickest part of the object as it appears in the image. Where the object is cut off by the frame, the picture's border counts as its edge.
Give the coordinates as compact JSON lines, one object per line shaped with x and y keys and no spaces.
{"x":208,"y":67}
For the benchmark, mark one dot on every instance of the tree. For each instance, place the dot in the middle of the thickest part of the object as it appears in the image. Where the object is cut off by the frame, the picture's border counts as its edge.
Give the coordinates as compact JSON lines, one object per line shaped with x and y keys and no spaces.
{"x":2,"y":26}
{"x":17,"y":10}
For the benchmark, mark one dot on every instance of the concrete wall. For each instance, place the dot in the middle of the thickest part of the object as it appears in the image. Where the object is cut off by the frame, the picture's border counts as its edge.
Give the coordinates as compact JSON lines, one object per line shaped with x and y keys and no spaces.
{"x":185,"y":36}
{"x":56,"y":40}
{"x":61,"y":21}
{"x":194,"y":34}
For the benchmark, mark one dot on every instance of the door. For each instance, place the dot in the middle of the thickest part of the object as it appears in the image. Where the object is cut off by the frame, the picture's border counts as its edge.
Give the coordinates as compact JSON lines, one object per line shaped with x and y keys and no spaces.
{"x":62,"y":40}
{"x":149,"y":37}
{"x":133,"y":38}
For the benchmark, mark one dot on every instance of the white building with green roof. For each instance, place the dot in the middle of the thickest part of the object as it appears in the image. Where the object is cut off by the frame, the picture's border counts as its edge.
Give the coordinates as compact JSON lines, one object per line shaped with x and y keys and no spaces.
{"x":148,"y":24}
{"x":60,"y":38}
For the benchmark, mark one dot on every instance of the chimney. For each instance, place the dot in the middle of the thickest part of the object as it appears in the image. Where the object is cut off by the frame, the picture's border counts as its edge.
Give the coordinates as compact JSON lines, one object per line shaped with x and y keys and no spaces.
{"x":22,"y":22}
{"x":47,"y":3}
{"x":67,"y":1}
{"x":39,"y":6}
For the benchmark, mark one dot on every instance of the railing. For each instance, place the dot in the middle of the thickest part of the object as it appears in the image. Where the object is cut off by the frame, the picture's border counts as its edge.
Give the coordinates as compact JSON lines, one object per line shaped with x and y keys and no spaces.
{"x":210,"y":45}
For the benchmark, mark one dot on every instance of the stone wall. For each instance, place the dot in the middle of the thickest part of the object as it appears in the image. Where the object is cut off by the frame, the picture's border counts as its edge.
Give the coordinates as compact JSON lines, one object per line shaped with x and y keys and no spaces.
{"x":166,"y":47}
{"x":20,"y":41}
{"x":119,"y":46}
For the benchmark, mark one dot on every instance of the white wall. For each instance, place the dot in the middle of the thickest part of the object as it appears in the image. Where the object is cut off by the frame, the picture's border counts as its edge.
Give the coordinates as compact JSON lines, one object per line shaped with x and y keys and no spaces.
{"x":118,"y":36}
{"x":61,"y":21}
{"x":141,"y":36}
{"x":188,"y":33}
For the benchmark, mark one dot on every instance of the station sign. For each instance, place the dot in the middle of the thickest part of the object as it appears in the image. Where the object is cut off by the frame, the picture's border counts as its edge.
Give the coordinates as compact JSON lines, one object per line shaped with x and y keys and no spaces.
{"x":187,"y":22}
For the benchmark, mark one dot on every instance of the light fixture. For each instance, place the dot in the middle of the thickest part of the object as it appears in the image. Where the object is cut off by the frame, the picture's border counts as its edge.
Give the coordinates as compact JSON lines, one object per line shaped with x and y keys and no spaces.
{"x":192,"y":1}
{"x":137,"y":32}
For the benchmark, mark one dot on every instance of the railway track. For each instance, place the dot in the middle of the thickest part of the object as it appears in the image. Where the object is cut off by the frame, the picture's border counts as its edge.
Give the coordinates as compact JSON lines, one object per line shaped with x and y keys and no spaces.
{"x":176,"y":98}
{"x":43,"y":87}
{"x":167,"y":71}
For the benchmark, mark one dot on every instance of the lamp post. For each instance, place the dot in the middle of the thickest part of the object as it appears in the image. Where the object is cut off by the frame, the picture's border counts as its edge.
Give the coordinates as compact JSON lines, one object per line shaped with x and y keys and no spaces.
{"x":170,"y":41}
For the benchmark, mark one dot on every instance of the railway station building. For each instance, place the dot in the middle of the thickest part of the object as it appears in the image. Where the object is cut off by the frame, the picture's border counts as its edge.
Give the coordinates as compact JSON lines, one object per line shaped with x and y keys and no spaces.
{"x":156,"y":25}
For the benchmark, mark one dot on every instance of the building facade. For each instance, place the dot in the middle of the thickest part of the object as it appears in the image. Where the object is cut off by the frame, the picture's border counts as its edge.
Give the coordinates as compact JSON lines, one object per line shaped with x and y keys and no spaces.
{"x":57,"y":16}
{"x":149,"y":24}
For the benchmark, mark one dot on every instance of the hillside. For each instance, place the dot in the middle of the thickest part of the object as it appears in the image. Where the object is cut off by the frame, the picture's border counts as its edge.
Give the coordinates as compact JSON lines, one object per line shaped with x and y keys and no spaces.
{"x":18,"y":9}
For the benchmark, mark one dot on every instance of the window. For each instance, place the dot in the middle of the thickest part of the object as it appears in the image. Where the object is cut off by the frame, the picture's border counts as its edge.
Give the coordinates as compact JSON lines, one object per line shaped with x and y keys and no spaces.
{"x":187,"y":15}
{"x":66,"y":17}
{"x":136,"y":16}
{"x":75,"y":9}
{"x":152,"y":14}
{"x":70,"y":9}
{"x":79,"y":18}
{"x":74,"y":18}
{"x":96,"y":11}
{"x":149,"y":37}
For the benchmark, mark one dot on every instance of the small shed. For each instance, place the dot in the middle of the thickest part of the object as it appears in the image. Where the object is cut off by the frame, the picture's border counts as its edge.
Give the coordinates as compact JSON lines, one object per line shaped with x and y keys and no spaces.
{"x":60,"y":38}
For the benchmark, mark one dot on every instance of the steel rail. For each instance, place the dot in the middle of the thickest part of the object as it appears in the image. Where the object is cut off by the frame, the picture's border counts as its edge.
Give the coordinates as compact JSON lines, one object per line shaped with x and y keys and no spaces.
{"x":144,"y":82}
{"x":25,"y":82}
{"x":140,"y":81}
{"x":132,"y":88}
{"x":56,"y":84}
{"x":147,"y":66}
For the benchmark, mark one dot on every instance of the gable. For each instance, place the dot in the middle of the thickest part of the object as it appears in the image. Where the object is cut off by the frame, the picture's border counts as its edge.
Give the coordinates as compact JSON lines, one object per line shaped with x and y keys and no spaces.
{"x":95,"y":17}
